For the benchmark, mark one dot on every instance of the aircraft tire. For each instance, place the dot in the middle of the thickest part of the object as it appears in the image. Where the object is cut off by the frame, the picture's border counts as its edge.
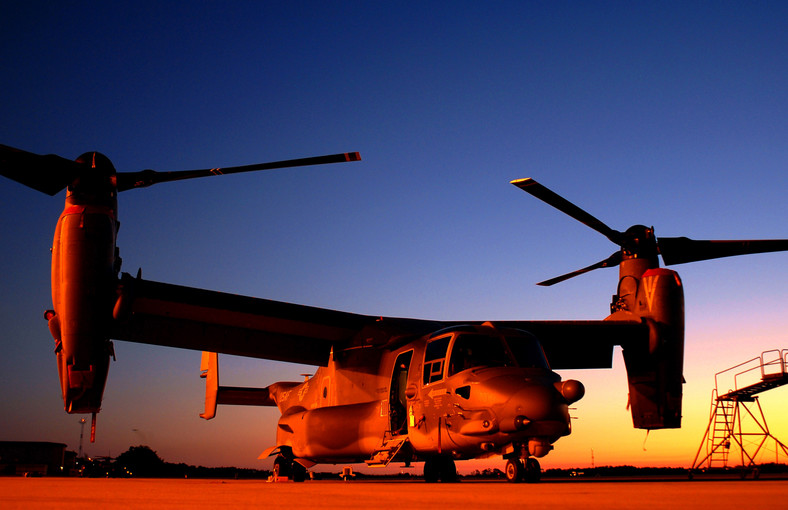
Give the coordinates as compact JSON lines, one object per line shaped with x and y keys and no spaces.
{"x":282,"y":467}
{"x":299,"y":472}
{"x":514,"y":471}
{"x":448,"y":471}
{"x":440,"y":467}
{"x":533,"y":471}
{"x":431,"y":472}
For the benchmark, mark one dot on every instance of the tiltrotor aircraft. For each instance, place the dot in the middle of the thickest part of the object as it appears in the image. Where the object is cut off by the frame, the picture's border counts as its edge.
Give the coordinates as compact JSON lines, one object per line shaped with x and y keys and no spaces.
{"x":385,"y":389}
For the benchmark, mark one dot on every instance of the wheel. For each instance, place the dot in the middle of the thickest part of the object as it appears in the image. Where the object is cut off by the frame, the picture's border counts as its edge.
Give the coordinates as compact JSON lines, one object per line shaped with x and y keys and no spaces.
{"x":431,"y":470}
{"x":299,"y":472}
{"x":441,"y":468}
{"x":514,"y":470}
{"x":448,"y":470}
{"x":281,"y":467}
{"x":533,"y":471}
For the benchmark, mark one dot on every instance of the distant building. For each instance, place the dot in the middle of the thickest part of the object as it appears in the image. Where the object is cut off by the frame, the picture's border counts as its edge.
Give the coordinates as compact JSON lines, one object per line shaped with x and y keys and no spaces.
{"x":31,"y":458}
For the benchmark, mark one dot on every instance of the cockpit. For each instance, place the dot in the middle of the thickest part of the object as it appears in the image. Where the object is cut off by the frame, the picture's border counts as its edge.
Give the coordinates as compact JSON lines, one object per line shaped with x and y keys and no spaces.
{"x":462,"y":348}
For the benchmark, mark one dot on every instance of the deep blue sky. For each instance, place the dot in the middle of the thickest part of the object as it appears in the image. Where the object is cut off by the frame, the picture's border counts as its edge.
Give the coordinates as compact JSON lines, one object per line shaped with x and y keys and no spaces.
{"x":667,"y":114}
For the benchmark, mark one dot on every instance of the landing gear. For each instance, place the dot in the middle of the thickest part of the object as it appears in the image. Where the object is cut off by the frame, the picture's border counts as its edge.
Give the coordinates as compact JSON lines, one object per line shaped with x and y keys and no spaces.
{"x":281,"y":467}
{"x":284,"y":467}
{"x":533,"y":471}
{"x":299,"y":472}
{"x":528,"y":470}
{"x":440,"y":468}
{"x":514,"y":470}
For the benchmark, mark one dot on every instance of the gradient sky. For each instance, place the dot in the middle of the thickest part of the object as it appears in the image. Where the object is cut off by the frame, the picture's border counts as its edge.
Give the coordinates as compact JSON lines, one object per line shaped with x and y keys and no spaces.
{"x":659,"y":113}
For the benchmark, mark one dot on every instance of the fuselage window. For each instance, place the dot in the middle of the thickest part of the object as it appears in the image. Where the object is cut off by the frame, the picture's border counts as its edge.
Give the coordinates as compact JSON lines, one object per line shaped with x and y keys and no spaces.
{"x":471,"y":351}
{"x":528,"y":352}
{"x":434,"y":359}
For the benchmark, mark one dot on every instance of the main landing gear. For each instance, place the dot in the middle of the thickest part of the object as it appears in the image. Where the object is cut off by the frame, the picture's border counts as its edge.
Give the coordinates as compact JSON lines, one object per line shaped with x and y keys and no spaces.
{"x":284,"y":467}
{"x":440,"y":467}
{"x":523,"y":470}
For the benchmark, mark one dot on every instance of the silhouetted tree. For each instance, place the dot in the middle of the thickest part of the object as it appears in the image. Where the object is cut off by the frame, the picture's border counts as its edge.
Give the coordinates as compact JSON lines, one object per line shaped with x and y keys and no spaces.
{"x":139,"y":461}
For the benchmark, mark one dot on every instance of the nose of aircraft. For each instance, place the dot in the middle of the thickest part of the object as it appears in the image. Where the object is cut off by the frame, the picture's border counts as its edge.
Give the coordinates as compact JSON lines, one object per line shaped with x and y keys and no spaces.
{"x":536,"y":402}
{"x":541,"y":407}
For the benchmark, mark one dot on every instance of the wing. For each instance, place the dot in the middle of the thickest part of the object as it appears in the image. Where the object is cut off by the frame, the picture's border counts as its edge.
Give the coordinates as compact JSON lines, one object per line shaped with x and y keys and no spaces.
{"x":188,"y":318}
{"x":582,"y":344}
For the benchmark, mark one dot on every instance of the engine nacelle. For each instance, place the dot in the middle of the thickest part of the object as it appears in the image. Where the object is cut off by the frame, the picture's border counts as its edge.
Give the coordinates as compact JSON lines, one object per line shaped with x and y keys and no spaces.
{"x":83,"y":293}
{"x":655,"y":370}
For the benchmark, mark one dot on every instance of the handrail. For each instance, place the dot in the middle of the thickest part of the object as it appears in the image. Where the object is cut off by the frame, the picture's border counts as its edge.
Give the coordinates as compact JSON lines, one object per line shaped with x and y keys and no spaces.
{"x":716,"y":383}
{"x":780,"y":361}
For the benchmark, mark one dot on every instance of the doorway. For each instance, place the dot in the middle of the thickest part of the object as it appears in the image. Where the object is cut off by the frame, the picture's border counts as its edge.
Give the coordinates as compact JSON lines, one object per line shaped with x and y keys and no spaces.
{"x":397,"y":400}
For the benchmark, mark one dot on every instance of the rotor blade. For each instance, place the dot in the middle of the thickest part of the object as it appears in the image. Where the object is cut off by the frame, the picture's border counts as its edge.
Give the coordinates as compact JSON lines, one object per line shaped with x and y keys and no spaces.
{"x":48,"y":173}
{"x":678,"y":250}
{"x":131,"y":180}
{"x":545,"y":195}
{"x":611,"y":261}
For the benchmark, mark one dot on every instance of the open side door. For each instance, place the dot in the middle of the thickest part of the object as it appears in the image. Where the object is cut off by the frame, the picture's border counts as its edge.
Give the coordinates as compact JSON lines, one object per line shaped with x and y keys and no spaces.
{"x":398,"y":402}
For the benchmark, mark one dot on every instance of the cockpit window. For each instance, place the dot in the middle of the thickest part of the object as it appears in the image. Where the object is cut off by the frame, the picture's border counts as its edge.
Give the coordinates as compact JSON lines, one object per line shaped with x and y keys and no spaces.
{"x":471,"y":351}
{"x":527,"y":351}
{"x":434,"y":359}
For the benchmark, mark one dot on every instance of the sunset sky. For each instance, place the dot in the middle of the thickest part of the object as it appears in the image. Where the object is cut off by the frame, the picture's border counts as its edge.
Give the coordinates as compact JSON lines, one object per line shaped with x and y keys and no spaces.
{"x":671,"y":114}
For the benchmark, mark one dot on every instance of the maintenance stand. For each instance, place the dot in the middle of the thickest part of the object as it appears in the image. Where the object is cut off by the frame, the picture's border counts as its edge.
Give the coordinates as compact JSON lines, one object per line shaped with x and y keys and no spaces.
{"x":729,"y":426}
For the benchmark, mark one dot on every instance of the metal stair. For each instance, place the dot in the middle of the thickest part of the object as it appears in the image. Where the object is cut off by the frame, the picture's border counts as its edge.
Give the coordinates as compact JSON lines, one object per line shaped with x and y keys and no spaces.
{"x":719,"y":441}
{"x":387,"y":452}
{"x":736,"y":419}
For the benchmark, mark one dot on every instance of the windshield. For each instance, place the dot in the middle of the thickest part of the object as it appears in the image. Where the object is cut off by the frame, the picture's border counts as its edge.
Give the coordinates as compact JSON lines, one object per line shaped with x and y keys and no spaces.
{"x":471,"y":351}
{"x":527,"y":351}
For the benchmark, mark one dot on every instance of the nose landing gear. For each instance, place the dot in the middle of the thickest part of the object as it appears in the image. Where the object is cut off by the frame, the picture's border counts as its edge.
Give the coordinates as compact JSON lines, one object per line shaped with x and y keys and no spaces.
{"x":523,"y":470}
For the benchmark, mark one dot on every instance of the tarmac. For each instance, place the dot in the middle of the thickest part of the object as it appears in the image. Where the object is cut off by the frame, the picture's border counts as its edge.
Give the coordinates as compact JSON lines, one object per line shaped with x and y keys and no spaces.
{"x":618,"y":493}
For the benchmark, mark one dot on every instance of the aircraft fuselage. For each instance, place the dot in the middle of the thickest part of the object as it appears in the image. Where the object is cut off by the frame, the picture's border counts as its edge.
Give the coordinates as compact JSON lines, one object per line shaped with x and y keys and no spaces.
{"x":460,"y":392}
